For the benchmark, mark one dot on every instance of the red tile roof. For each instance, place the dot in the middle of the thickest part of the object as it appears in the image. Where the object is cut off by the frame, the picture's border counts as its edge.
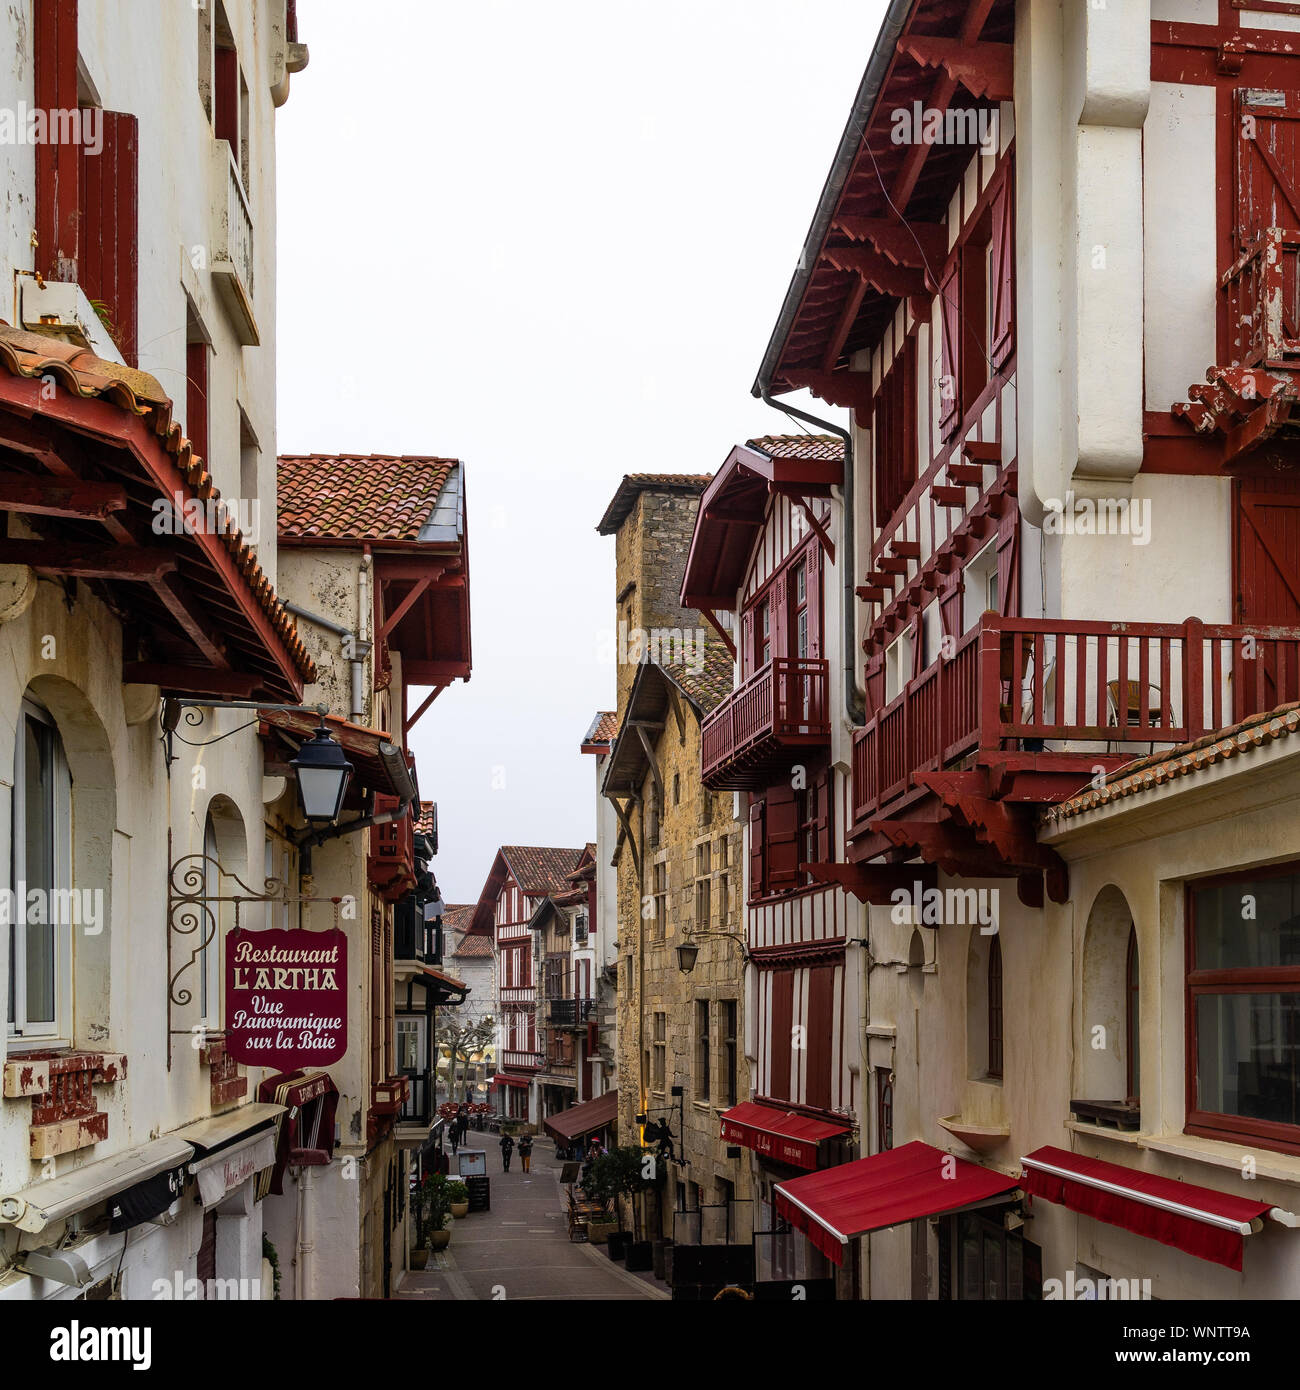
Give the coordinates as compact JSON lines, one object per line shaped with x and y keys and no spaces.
{"x":603,"y":729}
{"x":424,"y":822}
{"x":78,"y":370}
{"x":473,"y":948}
{"x":458,"y":916}
{"x":540,"y":870}
{"x":358,"y":497}
{"x":827,"y":447}
{"x":634,"y":484}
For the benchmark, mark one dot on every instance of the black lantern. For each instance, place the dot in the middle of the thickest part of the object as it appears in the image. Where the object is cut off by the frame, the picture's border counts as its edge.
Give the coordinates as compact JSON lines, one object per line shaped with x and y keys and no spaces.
{"x":323,"y":772}
{"x":686,"y":957}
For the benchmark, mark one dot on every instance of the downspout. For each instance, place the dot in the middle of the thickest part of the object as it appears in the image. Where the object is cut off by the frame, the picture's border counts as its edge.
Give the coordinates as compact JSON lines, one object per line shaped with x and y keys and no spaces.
{"x":356,"y":646}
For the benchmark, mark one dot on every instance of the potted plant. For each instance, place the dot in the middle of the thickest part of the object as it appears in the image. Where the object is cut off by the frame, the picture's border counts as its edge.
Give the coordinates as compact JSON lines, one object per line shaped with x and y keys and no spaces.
{"x":458,"y":1194}
{"x":431,"y":1203}
{"x":644,"y":1172}
{"x":604,"y":1185}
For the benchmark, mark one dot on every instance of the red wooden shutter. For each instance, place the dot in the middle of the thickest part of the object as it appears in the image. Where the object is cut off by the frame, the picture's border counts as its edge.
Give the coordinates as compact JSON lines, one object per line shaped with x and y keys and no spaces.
{"x":226,"y":94}
{"x":814,"y":583}
{"x":58,"y":163}
{"x":757,"y":848}
{"x":875,"y":684}
{"x":949,"y":379}
{"x":108,"y":267}
{"x":1002,"y":291}
{"x":779,"y":617}
{"x":950,"y":606}
{"x":1267,"y":144}
{"x":821,"y":1012}
{"x":782,"y":839}
{"x":782,"y":1034}
{"x":196,"y":398}
{"x":747,"y":644}
{"x":822,"y":792}
{"x":1009,"y":564}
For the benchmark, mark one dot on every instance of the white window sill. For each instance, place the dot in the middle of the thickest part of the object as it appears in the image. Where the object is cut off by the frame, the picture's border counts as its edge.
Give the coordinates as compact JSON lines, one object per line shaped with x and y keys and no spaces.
{"x":1120,"y":1136}
{"x":1219,"y":1153}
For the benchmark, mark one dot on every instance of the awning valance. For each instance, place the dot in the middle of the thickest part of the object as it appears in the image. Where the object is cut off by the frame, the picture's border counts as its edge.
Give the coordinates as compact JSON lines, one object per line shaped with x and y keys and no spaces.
{"x":501,"y":1079}
{"x":222,"y":1172}
{"x":837,"y":1205}
{"x":784,"y":1135}
{"x":44,"y":1203}
{"x":582,"y":1119}
{"x":1198,"y":1220}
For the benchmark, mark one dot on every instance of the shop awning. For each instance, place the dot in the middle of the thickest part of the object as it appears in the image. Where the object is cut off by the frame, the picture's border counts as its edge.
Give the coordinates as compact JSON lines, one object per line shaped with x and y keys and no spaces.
{"x":840,"y":1204}
{"x":219,"y":1130}
{"x":222,"y":1172}
{"x":304,"y":1133}
{"x":783,"y":1135}
{"x":582,"y":1119}
{"x":56,"y":1199}
{"x":1197,"y":1220}
{"x":501,"y":1079}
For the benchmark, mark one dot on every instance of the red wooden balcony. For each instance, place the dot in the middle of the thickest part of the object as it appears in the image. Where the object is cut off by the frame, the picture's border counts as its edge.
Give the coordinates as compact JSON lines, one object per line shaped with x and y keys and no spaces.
{"x":1047,"y":700}
{"x":391,"y":861}
{"x":1263,"y":293}
{"x":782,"y":707}
{"x":511,"y":1060}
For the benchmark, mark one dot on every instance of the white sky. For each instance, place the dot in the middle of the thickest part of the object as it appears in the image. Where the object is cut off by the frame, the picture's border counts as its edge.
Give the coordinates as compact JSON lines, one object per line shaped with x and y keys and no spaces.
{"x":549,"y":239}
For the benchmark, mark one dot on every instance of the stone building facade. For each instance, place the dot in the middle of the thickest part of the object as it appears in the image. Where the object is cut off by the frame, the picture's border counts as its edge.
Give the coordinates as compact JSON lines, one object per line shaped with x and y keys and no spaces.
{"x":681,"y":1056}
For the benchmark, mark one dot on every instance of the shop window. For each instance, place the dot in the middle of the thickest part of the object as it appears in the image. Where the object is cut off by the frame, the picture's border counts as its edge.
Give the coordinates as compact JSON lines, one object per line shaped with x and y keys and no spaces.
{"x":993,"y":1264}
{"x":1243,"y":1008}
{"x":40,"y":947}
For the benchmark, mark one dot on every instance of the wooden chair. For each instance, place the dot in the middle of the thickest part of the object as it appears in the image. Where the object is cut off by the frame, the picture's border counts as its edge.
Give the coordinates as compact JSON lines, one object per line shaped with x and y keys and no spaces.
{"x":1125,"y":712}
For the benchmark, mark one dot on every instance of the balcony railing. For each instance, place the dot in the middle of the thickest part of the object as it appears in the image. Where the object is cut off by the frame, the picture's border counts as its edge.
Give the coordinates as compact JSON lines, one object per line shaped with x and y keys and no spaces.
{"x":569,"y":1013}
{"x":1024,"y":685}
{"x":232,"y":243}
{"x":417,"y":1108}
{"x":782,"y":706}
{"x":1263,"y":293}
{"x":520,"y":1061}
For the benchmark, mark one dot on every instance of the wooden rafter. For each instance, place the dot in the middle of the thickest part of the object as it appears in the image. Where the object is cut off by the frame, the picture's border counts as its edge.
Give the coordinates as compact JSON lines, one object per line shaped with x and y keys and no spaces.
{"x":191,"y":680}
{"x":878,"y":271}
{"x":403,"y":608}
{"x":621,"y":811}
{"x":59,"y":497}
{"x":644,"y":735}
{"x":984,"y":69}
{"x":913,"y":245}
{"x":711,"y":617}
{"x":82,"y":561}
{"x":409,"y":724}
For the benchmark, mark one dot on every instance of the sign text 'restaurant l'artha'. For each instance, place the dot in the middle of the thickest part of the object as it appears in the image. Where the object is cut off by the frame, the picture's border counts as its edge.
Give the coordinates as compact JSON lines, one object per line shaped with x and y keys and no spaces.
{"x":286,"y":998}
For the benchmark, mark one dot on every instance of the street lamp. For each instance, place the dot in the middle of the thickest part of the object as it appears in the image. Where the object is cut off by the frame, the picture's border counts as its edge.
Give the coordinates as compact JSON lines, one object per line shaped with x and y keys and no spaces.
{"x":689,"y":951}
{"x":323,"y":772}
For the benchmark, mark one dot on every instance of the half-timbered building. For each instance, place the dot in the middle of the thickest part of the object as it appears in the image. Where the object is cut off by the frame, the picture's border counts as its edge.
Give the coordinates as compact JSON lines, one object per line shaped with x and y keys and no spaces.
{"x":1050,"y":279}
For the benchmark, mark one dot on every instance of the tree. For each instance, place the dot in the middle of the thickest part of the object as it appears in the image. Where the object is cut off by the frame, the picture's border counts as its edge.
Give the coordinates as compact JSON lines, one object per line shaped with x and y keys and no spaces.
{"x":463,"y":1037}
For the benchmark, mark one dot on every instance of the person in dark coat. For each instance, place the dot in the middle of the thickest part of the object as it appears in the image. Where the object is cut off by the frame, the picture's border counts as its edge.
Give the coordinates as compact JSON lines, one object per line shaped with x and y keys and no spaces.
{"x":526,"y":1152}
{"x":507,"y":1148}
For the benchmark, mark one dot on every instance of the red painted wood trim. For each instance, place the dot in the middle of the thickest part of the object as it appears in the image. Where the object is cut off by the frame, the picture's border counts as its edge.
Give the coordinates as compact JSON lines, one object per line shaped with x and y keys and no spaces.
{"x":774,"y":957}
{"x":58,"y":164}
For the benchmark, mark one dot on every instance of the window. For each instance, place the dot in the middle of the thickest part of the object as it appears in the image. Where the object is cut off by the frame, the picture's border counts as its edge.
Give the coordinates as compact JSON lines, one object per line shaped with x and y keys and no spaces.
{"x":898,"y":665}
{"x":728,"y":1013}
{"x":799,"y":609}
{"x":40,"y":936}
{"x":677,"y":788}
{"x":410,"y":1043}
{"x":659,"y":1053}
{"x":655,"y":816}
{"x":980,"y":590}
{"x":763,"y":632}
{"x":1132,"y":1054}
{"x":805,"y":802}
{"x":894,"y":433}
{"x":660,"y":879}
{"x":703,"y":868}
{"x":1243,"y":1008}
{"x":995,"y":1006}
{"x":993,"y":1264}
{"x":884,"y":1109}
{"x":702,"y":1055}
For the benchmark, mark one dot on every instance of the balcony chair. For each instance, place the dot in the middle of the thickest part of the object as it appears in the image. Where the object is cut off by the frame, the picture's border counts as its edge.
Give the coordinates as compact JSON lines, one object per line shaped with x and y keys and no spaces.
{"x":1132,"y":708}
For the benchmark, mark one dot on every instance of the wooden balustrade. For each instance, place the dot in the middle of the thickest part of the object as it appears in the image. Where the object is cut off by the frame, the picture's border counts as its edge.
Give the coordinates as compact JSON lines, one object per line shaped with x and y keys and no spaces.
{"x":1018,"y":685}
{"x":784,"y":704}
{"x":1263,"y":293}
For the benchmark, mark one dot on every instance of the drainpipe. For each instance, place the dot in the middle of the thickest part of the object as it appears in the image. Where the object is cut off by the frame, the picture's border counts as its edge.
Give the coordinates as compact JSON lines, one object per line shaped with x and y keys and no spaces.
{"x":855,"y":704}
{"x":360,"y":647}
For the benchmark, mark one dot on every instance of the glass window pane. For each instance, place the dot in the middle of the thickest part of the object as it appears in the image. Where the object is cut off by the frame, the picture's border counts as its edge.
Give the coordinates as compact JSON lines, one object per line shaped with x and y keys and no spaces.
{"x":38,"y":875}
{"x":970,"y":1272}
{"x":993,"y":1282}
{"x":1248,"y":923}
{"x":1248,"y":1055}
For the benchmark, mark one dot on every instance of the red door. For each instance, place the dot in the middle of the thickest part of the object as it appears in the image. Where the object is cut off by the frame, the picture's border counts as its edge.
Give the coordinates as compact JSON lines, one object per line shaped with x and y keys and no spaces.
{"x":1267,"y":582}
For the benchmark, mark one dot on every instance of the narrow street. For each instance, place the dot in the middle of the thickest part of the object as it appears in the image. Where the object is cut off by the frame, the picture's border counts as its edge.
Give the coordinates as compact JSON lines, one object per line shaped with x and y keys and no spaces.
{"x":521,"y":1248}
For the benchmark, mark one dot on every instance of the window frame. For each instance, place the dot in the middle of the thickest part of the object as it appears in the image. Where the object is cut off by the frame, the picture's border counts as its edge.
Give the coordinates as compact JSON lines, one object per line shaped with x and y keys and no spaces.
{"x":20,"y":1031}
{"x":728,"y":1026}
{"x":703,"y":1051}
{"x":996,"y":1061}
{"x":659,"y":1054}
{"x":1265,"y":1134}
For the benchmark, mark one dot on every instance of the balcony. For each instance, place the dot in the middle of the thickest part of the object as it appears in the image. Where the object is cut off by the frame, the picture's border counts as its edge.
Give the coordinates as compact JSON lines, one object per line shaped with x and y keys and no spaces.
{"x":391,"y":861}
{"x":1263,"y":294}
{"x":1038,"y":703}
{"x":782,"y":707}
{"x":520,"y":1061}
{"x":232,"y":244}
{"x":417,"y":1109}
{"x":569,"y":1013}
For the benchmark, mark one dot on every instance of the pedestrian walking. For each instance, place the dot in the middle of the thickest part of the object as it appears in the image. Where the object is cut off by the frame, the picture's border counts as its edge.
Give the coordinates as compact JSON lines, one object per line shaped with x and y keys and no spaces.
{"x":526,"y":1152}
{"x":453,"y":1132}
{"x":507,"y":1148}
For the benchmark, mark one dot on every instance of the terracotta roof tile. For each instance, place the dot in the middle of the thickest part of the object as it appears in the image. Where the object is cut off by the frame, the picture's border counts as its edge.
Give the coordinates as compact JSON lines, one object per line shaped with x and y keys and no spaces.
{"x":540,"y":870}
{"x":424,"y":822}
{"x":1158,"y":768}
{"x":80,"y":371}
{"x":634,"y":484}
{"x":473,"y":948}
{"x":799,"y":446}
{"x":603,"y":729}
{"x":711,"y":684}
{"x":359,"y":497}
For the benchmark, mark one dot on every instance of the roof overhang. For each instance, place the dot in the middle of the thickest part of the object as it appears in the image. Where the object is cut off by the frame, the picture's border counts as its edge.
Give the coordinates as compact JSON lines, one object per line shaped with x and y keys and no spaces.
{"x":378,"y":764}
{"x":90,"y":465}
{"x":732,"y":513}
{"x":648,"y":704}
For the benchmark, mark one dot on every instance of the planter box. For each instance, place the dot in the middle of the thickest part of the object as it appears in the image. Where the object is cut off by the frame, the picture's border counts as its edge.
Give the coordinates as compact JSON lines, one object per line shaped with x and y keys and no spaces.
{"x":419,"y":1258}
{"x":616,"y":1243}
{"x":640,"y":1256}
{"x":599,"y":1231}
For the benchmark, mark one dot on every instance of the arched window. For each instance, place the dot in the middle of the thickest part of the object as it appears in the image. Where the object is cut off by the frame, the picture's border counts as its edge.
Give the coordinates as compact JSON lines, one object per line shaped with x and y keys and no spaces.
{"x":995,"y":1006}
{"x":40,"y":954}
{"x":1131,"y":1051}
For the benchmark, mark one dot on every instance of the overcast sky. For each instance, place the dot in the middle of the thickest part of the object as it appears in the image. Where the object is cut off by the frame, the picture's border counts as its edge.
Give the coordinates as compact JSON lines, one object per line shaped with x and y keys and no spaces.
{"x":551,"y":240}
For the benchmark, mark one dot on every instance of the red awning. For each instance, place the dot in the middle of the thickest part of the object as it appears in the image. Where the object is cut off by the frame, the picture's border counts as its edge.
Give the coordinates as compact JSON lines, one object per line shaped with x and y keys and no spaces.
{"x":783,"y":1135}
{"x":1197,"y":1220}
{"x":837,"y":1205}
{"x":586,"y":1118}
{"x":500,"y":1079}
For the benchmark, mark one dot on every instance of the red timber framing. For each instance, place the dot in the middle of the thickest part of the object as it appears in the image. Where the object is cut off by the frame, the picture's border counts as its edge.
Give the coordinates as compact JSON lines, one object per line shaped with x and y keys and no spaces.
{"x":1244,"y":415}
{"x":85,"y":462}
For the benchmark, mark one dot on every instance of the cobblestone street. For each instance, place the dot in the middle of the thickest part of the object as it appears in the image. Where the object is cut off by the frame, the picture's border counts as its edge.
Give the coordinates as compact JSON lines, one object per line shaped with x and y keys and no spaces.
{"x":521,"y":1248}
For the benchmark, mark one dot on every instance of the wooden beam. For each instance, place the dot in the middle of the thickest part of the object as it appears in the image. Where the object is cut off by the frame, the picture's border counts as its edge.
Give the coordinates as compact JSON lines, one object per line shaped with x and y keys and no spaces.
{"x":82,"y":561}
{"x":621,"y":812}
{"x":403,"y":608}
{"x":984,"y":69}
{"x":644,"y":735}
{"x":711,"y":617}
{"x":191,"y":680}
{"x":819,"y":530}
{"x":51,"y":497}
{"x":848,"y":390}
{"x":678,"y":713}
{"x":914,"y":245}
{"x":844,"y":325}
{"x":409,"y":724}
{"x":878,"y":271}
{"x":982,"y":451}
{"x":433,"y":672}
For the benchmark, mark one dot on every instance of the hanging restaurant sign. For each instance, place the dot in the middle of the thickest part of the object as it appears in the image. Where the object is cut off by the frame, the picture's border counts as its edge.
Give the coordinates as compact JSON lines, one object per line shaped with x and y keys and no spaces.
{"x":286,"y":998}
